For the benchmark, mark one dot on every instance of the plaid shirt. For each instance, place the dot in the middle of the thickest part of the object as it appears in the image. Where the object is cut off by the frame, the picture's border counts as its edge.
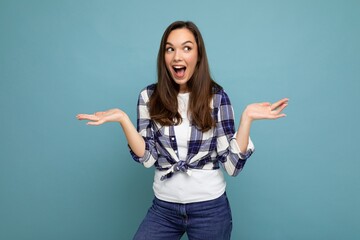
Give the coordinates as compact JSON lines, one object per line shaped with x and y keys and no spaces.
{"x":205,"y":150}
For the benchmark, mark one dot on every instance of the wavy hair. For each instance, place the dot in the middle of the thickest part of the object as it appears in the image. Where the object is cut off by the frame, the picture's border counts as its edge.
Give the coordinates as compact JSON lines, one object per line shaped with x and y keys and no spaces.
{"x":163,"y":104}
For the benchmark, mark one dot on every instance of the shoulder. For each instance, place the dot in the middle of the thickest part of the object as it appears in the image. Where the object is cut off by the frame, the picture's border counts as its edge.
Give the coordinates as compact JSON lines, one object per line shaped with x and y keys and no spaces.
{"x":220,"y":97}
{"x":146,"y":92}
{"x":149,"y":89}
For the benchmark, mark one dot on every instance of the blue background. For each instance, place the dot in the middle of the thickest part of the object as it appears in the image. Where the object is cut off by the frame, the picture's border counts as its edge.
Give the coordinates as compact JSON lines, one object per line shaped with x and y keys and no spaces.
{"x":61,"y":179}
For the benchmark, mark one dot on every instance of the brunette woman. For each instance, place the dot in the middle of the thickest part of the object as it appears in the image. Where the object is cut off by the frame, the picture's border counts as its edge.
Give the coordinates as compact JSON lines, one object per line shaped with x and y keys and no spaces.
{"x":185,"y":128}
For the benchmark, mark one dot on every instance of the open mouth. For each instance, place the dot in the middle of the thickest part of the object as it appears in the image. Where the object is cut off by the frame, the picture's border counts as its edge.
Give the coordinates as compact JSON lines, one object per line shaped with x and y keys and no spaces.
{"x":179,"y":71}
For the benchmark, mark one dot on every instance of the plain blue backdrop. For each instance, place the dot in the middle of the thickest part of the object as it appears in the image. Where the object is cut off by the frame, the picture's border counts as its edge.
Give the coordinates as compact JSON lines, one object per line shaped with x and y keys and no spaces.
{"x":61,"y":179}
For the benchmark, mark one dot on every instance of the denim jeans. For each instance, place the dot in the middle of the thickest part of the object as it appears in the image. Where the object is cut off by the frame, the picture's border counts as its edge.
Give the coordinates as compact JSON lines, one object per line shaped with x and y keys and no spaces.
{"x":208,"y":220}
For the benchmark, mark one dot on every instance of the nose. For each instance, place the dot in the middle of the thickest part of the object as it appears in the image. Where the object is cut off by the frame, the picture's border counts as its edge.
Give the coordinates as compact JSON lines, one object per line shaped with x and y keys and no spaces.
{"x":177,"y":56}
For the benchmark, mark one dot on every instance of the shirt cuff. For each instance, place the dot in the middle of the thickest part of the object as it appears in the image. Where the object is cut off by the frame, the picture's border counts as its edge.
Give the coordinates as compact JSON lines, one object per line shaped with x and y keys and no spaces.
{"x":236,"y":149}
{"x":143,"y":158}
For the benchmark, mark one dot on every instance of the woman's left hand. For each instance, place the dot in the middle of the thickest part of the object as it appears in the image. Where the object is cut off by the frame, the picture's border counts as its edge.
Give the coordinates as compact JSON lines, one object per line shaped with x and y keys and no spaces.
{"x":266,"y":110}
{"x":257,"y":111}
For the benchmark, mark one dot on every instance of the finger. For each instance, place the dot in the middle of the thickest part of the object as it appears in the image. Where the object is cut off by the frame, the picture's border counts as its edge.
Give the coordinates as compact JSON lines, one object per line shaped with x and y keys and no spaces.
{"x":280,"y":109}
{"x":280,"y":115}
{"x":279,"y":103}
{"x":97,"y":123}
{"x":87,"y":117}
{"x":273,"y":117}
{"x":98,"y":113}
{"x":80,"y":116}
{"x":265,"y":104}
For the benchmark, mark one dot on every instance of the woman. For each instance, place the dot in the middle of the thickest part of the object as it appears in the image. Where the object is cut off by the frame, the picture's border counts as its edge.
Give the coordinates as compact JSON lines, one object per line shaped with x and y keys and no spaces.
{"x":186,"y":129}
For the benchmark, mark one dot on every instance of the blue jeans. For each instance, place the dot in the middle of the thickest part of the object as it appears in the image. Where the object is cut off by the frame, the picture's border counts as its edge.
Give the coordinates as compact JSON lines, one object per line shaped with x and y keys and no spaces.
{"x":208,"y":220}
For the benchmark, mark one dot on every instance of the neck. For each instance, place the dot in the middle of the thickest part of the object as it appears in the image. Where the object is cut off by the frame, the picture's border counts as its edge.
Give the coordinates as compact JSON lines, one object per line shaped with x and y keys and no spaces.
{"x":183,"y":89}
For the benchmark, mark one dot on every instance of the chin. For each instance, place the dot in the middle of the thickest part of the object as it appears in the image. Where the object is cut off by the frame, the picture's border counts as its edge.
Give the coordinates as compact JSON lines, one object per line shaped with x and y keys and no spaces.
{"x":181,"y":81}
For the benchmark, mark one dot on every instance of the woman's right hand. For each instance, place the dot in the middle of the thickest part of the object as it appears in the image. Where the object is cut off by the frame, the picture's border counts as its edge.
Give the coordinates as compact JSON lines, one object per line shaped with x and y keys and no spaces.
{"x":98,"y":118}
{"x":135,"y":140}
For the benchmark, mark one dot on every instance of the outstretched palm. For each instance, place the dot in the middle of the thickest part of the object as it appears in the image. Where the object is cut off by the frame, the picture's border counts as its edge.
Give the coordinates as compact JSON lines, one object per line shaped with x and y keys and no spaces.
{"x":266,"y":110}
{"x":98,"y":118}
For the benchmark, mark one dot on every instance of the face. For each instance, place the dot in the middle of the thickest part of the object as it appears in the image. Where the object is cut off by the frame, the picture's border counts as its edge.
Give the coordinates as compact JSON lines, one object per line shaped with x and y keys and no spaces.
{"x":181,"y":56}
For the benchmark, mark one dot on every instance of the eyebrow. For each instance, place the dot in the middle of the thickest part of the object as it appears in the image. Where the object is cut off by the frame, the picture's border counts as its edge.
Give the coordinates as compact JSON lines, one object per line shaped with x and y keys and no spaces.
{"x":184,"y":43}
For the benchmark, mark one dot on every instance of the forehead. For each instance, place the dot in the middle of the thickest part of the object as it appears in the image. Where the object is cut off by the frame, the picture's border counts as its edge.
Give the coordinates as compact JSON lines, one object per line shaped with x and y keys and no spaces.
{"x":179,"y":36}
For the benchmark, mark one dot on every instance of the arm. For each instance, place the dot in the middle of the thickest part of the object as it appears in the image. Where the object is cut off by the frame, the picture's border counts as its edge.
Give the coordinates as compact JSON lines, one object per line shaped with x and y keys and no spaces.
{"x":135,"y":140}
{"x":257,"y":111}
{"x":229,"y":154}
{"x":234,"y":149}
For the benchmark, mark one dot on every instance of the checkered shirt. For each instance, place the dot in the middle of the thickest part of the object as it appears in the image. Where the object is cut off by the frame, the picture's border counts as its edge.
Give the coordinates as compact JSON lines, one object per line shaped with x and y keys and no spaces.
{"x":205,"y":150}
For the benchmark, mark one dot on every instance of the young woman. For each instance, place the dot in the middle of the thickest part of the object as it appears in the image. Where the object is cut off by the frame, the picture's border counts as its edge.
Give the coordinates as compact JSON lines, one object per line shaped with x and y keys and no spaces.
{"x":185,"y":129}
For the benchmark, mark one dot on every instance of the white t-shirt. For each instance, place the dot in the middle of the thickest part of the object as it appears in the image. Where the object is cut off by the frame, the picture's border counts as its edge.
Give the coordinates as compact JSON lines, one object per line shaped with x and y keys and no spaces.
{"x":202,"y":185}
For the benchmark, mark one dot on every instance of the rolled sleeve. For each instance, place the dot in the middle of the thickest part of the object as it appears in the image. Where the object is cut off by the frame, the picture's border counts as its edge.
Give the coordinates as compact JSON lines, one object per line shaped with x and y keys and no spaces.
{"x":234,"y":148}
{"x":230,"y":156}
{"x":144,"y":127}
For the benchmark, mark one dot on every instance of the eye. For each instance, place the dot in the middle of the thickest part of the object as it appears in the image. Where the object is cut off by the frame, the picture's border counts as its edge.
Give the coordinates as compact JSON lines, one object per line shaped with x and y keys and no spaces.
{"x":169,"y":49}
{"x":187,"y":49}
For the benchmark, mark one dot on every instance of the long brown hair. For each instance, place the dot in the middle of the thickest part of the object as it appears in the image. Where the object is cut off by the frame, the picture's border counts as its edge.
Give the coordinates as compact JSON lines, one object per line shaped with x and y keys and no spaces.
{"x":163,"y":104}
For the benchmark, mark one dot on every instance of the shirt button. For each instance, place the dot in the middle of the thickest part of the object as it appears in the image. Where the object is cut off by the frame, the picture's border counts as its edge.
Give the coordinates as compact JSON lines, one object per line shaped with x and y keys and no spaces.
{"x":172,"y":138}
{"x":176,"y":151}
